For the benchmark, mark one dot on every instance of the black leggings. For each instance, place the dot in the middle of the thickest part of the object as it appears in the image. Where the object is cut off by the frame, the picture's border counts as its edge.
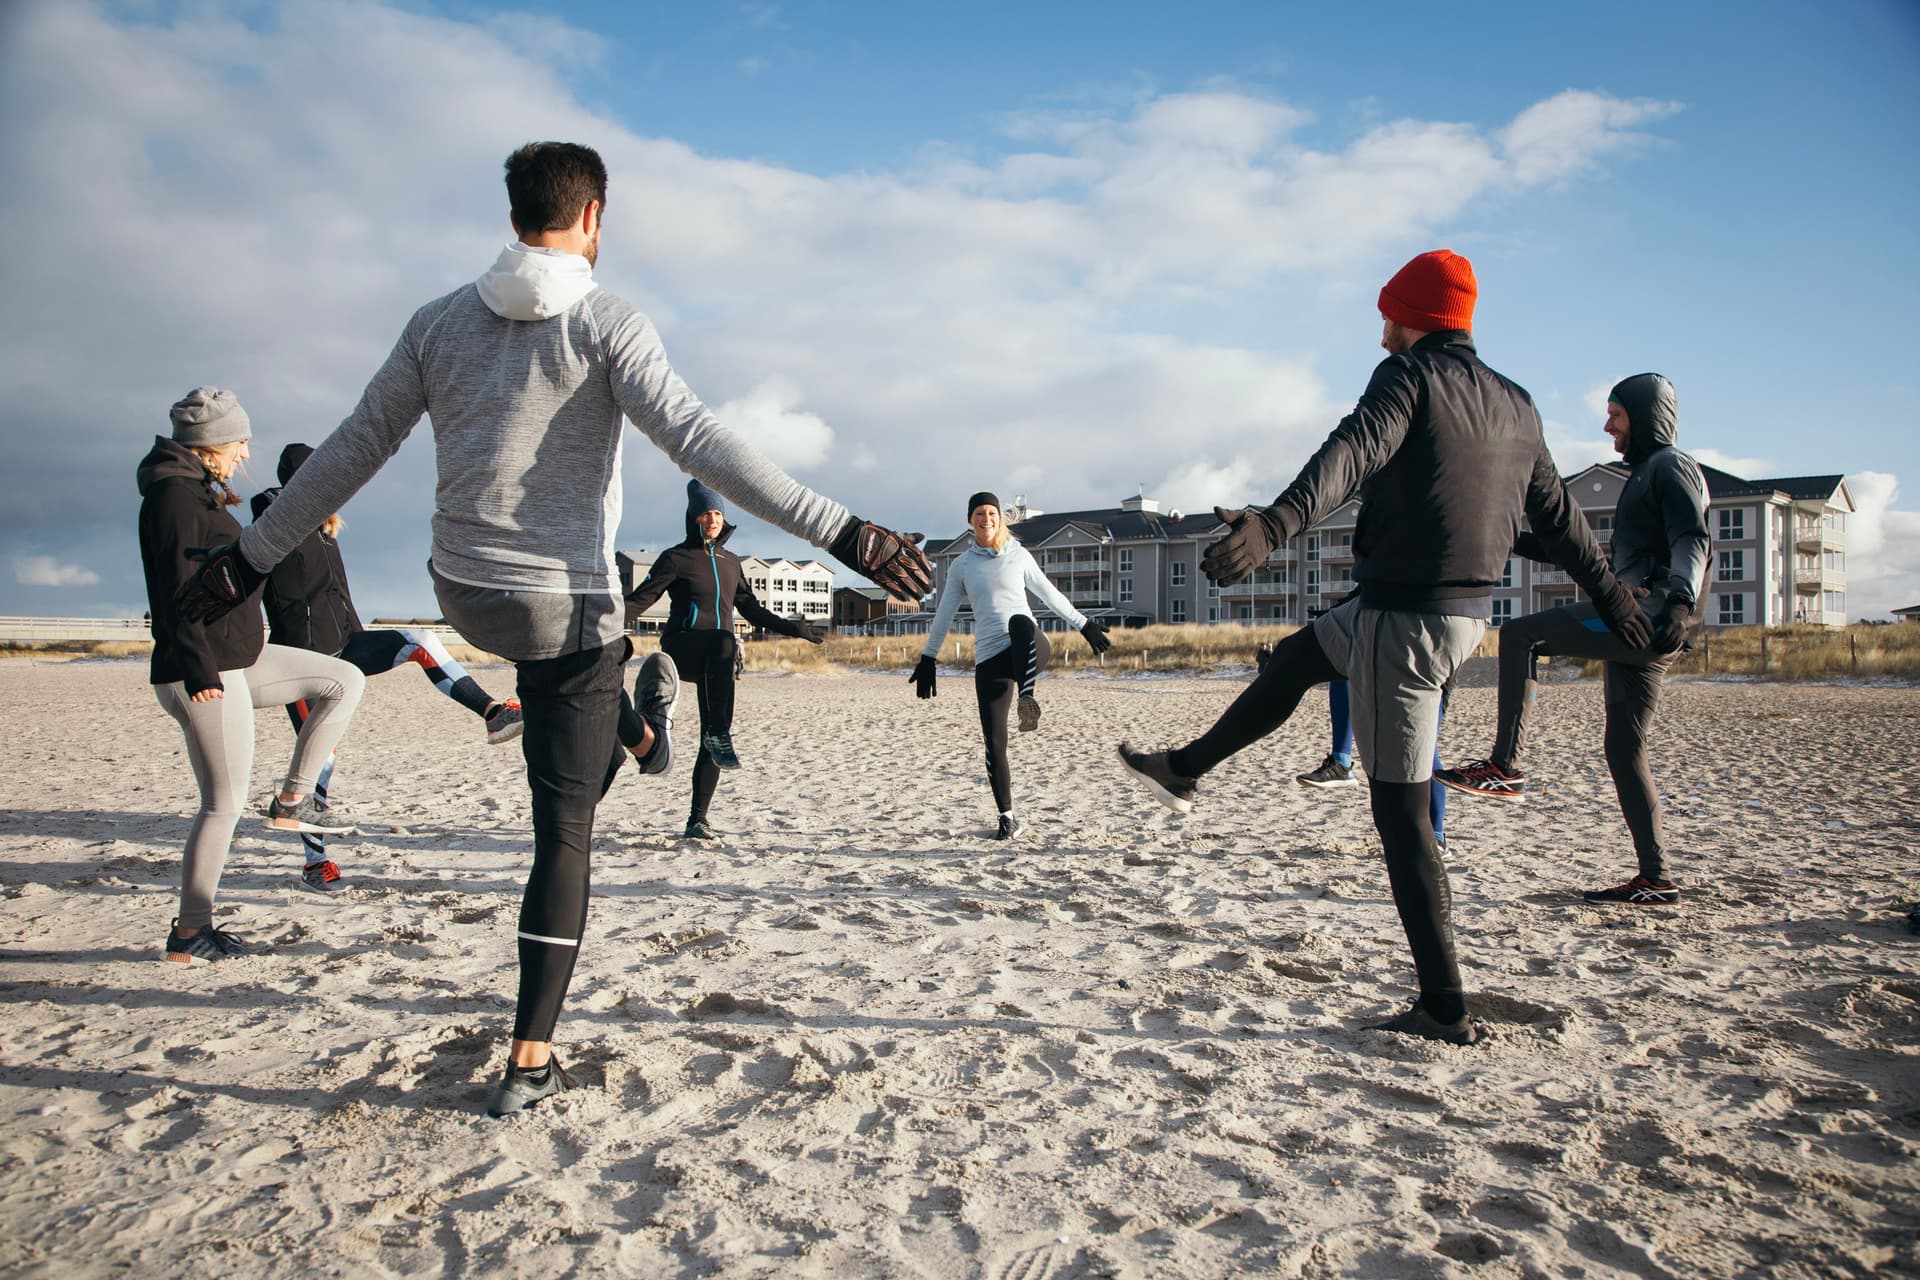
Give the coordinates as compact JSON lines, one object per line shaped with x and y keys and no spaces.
{"x":707,"y":659}
{"x":572,"y":706}
{"x":996,"y":682}
{"x":1298,"y":663}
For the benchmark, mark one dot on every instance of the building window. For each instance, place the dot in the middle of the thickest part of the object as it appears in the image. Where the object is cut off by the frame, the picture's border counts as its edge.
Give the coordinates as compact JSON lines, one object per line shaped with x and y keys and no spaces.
{"x":1179,"y":573}
{"x":1836,"y":561}
{"x":1126,"y":559}
{"x":1213,"y":613}
{"x":1506,"y":574}
{"x":1733,"y":608}
{"x":1179,"y":610}
{"x":1279,"y":612}
{"x":1733,"y":524}
{"x":1126,"y":590}
{"x":1313,"y":582}
{"x":1246,"y":613}
{"x":1733,"y":566}
{"x":1502,"y":612}
{"x":1602,"y":526}
{"x":1835,"y":603}
{"x":1313,"y":547}
{"x":1213,"y":589}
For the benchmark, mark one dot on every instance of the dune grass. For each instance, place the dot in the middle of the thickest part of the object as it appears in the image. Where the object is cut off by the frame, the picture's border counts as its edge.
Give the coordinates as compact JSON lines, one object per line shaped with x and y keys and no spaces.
{"x":1866,"y":650}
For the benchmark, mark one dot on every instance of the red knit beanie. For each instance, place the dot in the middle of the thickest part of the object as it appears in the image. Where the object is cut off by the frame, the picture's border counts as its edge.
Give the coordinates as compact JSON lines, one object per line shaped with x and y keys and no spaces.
{"x":1435,"y":291}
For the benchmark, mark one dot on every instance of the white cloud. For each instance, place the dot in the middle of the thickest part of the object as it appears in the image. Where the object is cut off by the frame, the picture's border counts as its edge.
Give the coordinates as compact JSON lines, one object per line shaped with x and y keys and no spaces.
{"x":1200,"y":485}
{"x":1883,"y":548}
{"x":771,"y":418}
{"x":46,"y":571}
{"x":1568,"y":133}
{"x":1747,"y":468}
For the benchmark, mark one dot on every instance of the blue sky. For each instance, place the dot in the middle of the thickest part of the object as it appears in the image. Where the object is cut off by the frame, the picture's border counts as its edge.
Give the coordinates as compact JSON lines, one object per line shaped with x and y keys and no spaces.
{"x":916,"y":250}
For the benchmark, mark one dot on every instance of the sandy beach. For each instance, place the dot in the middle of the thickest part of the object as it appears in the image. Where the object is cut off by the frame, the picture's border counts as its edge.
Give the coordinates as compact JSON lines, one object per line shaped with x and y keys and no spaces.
{"x":857,"y":1037}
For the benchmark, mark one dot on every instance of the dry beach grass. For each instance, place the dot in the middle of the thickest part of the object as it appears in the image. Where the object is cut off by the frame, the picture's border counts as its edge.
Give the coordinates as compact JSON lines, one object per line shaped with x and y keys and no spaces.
{"x":858,"y":1038}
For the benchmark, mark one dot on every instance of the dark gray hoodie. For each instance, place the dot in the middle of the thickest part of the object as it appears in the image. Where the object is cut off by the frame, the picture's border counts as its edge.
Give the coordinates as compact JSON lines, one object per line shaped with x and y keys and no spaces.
{"x":1660,"y":539}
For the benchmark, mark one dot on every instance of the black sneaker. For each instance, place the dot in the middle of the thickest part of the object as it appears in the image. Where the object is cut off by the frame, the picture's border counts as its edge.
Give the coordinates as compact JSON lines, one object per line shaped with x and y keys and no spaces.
{"x":521,"y":1087}
{"x":1638,"y":892}
{"x":323,"y":878}
{"x":204,"y":947}
{"x":697,"y":829}
{"x":1029,"y":713}
{"x":1416,"y":1021}
{"x":1010,"y":827}
{"x":1483,"y":778}
{"x":308,"y":814}
{"x":1331,"y":773}
{"x":656,"y":696}
{"x":1151,"y":768}
{"x":719,"y":747}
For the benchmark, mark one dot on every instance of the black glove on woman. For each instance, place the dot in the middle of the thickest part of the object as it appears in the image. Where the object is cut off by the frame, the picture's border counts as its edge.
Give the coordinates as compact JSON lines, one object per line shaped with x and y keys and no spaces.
{"x":1096,"y":637}
{"x":922,"y":678}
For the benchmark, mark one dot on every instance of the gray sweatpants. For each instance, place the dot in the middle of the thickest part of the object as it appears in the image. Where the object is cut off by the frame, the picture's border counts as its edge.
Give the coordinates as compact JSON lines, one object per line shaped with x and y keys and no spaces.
{"x":219,"y":736}
{"x":1397,"y":667}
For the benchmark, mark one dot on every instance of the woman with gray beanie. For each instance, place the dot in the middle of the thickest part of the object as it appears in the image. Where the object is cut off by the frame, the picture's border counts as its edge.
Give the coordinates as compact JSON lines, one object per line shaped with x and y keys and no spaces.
{"x":209,"y":676}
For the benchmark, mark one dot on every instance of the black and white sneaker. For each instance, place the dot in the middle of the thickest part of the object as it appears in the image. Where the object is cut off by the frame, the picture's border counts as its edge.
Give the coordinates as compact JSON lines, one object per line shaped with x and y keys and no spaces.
{"x":656,"y":696}
{"x":310,"y":815}
{"x":205,"y":947}
{"x":1637,"y":892}
{"x":697,"y":829}
{"x":719,"y":748}
{"x":1010,"y":827}
{"x":1151,"y":768}
{"x":1029,"y":713}
{"x":1331,"y":773}
{"x":521,"y":1087}
{"x":323,"y":878}
{"x":1484,"y":778}
{"x":1416,"y":1021}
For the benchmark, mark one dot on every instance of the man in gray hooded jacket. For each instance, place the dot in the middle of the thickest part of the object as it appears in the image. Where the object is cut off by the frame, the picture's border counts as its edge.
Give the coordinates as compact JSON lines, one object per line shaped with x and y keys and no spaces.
{"x":1660,"y":552}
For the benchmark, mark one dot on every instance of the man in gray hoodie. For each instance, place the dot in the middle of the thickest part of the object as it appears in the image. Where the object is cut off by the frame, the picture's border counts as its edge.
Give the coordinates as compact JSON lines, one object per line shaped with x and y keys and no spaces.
{"x":526,"y":374}
{"x":1660,"y":547}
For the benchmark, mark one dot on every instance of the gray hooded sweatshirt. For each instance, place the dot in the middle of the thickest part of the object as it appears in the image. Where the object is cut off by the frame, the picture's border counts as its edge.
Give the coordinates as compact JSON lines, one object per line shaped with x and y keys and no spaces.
{"x":526,"y":374}
{"x":1660,"y":539}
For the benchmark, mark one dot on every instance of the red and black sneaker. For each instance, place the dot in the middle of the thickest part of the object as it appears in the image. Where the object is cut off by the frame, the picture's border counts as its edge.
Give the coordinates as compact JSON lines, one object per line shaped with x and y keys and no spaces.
{"x":1484,"y":778}
{"x":1638,"y":892}
{"x":323,"y":877}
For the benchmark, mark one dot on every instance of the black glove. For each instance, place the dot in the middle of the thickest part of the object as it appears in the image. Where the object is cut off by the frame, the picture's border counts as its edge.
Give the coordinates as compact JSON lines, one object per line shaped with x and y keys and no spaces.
{"x":1621,"y":612}
{"x":922,"y":678}
{"x":1252,"y":535}
{"x":804,"y":630}
{"x":893,"y":560}
{"x":221,"y":584}
{"x":1096,"y":637}
{"x":1528,"y":546}
{"x":1670,"y":630}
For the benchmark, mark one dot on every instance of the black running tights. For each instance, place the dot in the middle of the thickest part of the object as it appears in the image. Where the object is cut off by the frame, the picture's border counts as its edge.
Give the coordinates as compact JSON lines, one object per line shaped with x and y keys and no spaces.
{"x":572,"y":705}
{"x":706,"y":658}
{"x":996,"y":682}
{"x":1298,"y":663}
{"x":1421,"y":892}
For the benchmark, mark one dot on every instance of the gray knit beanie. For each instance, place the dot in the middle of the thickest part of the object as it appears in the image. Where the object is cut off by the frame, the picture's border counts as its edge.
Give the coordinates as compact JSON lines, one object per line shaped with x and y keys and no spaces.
{"x":208,"y":416}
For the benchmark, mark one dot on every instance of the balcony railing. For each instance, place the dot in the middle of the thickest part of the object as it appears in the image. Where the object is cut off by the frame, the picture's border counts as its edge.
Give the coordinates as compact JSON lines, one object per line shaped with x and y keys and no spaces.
{"x":1825,"y":580}
{"x":1551,"y":578}
{"x":1251,"y":590}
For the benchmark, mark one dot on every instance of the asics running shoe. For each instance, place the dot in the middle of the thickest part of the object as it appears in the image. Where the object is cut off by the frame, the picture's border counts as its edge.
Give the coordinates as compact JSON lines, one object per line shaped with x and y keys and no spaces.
{"x":521,"y":1087}
{"x":1638,"y":892}
{"x":1484,"y":778}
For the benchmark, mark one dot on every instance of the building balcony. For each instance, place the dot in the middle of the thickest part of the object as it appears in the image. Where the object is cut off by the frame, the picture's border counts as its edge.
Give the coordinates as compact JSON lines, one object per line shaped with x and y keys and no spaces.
{"x":1825,"y":580}
{"x":1257,"y":590}
{"x":1551,"y":578}
{"x":1813,"y":538}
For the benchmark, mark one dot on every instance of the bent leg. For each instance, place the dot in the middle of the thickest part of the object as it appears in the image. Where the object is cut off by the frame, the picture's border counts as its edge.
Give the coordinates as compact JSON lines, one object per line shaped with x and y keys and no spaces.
{"x":330,"y":688}
{"x":1576,"y":631}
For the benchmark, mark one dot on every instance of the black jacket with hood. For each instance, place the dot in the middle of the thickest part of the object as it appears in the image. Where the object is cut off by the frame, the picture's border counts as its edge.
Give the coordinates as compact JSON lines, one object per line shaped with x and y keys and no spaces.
{"x":1660,"y":539}
{"x":183,"y":516}
{"x":308,"y":603}
{"x":704,"y":583}
{"x":1447,"y":456}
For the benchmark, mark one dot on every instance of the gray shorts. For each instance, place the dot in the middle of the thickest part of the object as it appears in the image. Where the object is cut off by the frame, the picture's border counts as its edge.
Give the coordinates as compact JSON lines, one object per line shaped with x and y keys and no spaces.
{"x":1396,"y":665}
{"x":527,"y":626}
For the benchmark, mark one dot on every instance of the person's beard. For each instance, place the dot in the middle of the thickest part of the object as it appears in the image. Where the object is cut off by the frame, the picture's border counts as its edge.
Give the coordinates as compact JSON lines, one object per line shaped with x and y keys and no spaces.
{"x":593,"y":249}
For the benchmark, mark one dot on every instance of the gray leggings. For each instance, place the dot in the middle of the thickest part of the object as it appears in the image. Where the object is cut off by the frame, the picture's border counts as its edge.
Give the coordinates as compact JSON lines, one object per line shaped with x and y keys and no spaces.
{"x":219,"y":736}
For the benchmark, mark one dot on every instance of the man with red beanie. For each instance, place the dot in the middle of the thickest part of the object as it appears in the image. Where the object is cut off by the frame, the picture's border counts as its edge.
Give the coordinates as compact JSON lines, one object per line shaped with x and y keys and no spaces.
{"x":1447,"y":456}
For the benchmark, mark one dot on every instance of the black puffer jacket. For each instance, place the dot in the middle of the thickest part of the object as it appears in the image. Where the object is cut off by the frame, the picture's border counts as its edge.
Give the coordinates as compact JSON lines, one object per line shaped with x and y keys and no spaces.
{"x":1660,"y":539}
{"x":181,"y":517}
{"x":1447,"y":456}
{"x":704,"y":584}
{"x":309,"y":605}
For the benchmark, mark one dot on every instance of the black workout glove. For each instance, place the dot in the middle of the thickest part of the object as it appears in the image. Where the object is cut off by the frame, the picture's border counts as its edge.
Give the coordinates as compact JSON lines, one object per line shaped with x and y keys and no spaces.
{"x":804,"y":630}
{"x":893,"y":560}
{"x":1670,"y":631}
{"x":922,"y":678}
{"x":1528,"y":546}
{"x":1252,"y":534}
{"x":221,"y":584}
{"x":1096,"y":637}
{"x":1621,"y":612}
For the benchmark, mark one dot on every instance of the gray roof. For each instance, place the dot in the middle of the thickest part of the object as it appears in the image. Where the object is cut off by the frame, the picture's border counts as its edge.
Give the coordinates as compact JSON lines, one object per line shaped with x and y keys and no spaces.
{"x":1111,"y":522}
{"x":1801,"y":488}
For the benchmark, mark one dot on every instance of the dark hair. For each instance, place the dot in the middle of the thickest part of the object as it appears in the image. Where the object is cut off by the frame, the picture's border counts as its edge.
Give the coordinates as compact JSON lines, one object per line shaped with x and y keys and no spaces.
{"x":549,"y":183}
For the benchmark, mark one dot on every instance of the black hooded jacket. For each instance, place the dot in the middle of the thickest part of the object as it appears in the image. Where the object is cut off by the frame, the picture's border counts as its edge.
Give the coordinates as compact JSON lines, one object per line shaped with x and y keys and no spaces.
{"x":704,"y":584}
{"x":1660,"y":539}
{"x":308,"y":602}
{"x":181,"y":514}
{"x":1447,"y":456}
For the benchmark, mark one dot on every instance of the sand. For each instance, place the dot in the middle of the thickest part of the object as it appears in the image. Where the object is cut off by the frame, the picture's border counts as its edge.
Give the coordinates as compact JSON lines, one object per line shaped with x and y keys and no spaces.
{"x":859,"y":1038}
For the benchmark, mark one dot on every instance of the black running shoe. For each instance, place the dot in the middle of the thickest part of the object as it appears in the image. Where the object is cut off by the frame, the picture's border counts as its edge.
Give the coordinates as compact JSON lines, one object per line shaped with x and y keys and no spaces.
{"x":323,"y":877}
{"x":1638,"y":892}
{"x":656,"y":695}
{"x":521,"y":1087}
{"x":1029,"y":713}
{"x":719,"y":747}
{"x":1010,"y":827}
{"x":1484,"y":778}
{"x":1151,"y":768}
{"x":697,"y":829}
{"x":204,"y":947}
{"x":1331,"y":773}
{"x":1416,"y":1021}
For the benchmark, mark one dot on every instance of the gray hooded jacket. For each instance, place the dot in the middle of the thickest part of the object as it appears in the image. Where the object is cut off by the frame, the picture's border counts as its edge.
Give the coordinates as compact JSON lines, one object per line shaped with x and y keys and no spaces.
{"x":1660,"y":539}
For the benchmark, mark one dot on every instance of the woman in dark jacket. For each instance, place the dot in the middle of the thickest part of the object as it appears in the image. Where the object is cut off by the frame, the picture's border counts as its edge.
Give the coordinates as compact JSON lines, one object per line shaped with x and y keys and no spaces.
{"x":704,"y":586}
{"x":309,"y":606}
{"x":210,"y":676}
